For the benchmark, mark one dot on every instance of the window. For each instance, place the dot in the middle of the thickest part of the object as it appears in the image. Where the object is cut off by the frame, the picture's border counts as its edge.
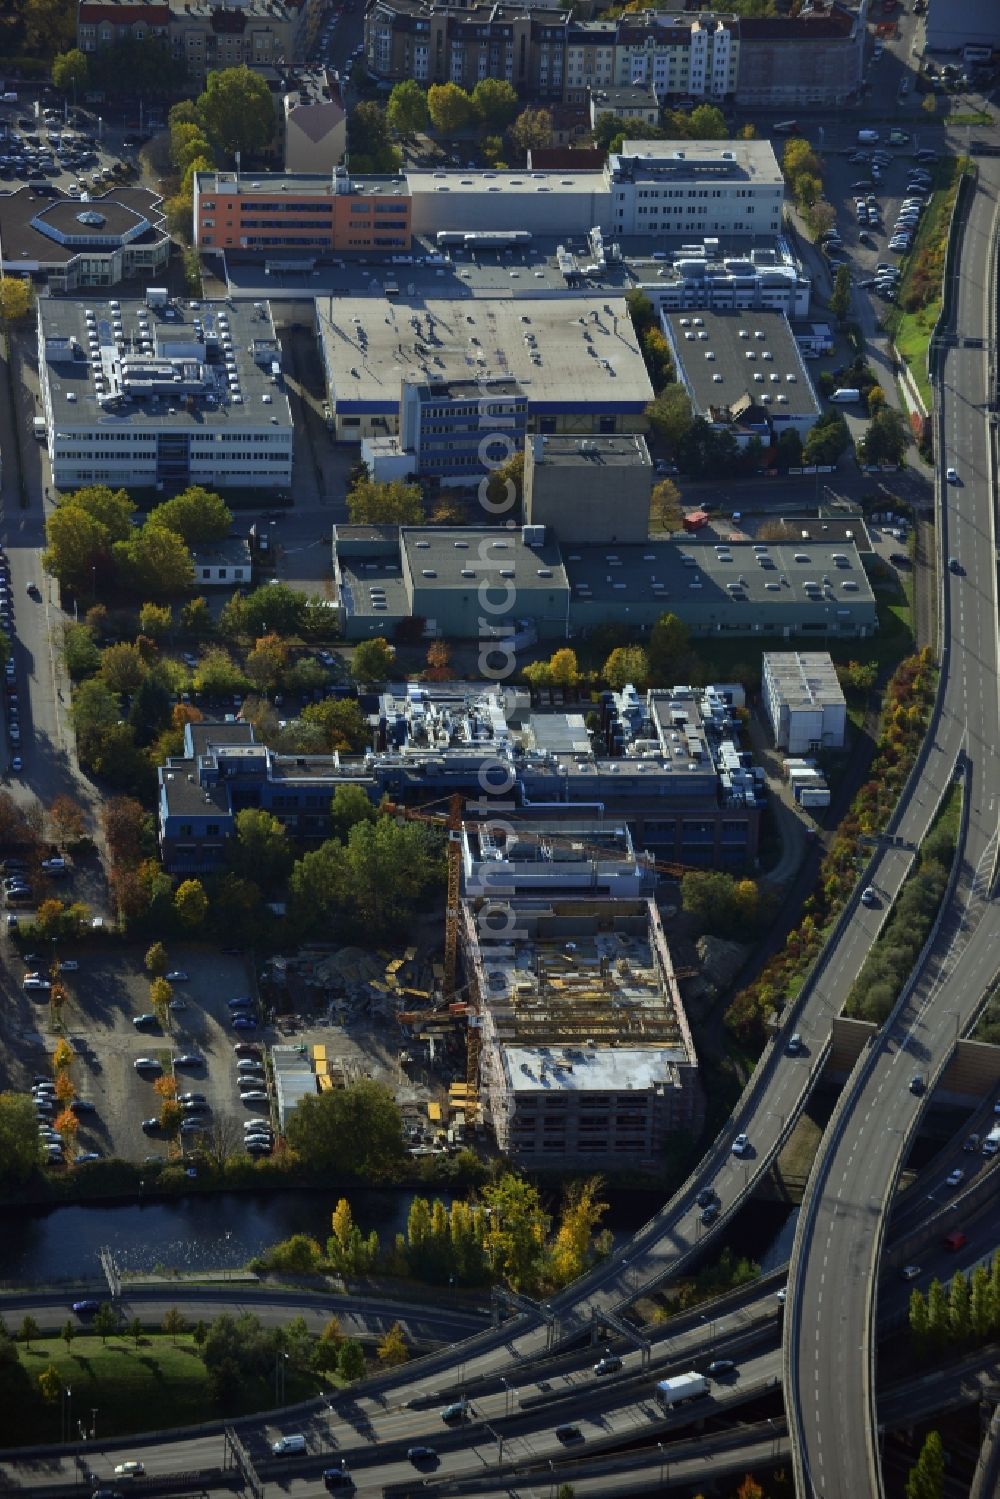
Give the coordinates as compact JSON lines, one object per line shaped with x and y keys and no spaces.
{"x":185,"y":830}
{"x":212,"y":828}
{"x":222,"y":574}
{"x":206,"y":572}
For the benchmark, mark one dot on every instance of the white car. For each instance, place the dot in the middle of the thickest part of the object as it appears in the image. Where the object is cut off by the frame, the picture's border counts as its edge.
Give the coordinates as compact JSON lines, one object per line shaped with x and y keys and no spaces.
{"x":954,"y":1177}
{"x":869,"y":896}
{"x":35,"y":981}
{"x":951,"y":474}
{"x":68,"y":965}
{"x":741,"y":1145}
{"x":177,"y":976}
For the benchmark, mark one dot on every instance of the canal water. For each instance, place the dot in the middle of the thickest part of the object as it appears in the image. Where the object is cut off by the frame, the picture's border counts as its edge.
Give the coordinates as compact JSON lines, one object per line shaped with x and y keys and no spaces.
{"x":46,"y":1246}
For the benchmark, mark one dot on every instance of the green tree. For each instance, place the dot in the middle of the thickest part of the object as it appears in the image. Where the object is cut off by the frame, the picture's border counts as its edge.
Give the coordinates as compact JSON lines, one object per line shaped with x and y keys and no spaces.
{"x":707,"y":123}
{"x":217,"y":674}
{"x":156,"y":960}
{"x":926,"y":1479}
{"x":154,"y":561}
{"x":351,"y":1360}
{"x":826,"y":440}
{"x":670,"y":416}
{"x":29,"y":1330}
{"x":122,"y":667}
{"x":515,"y":1239}
{"x":392,"y":1350}
{"x":981,"y":1306}
{"x":407,"y":111}
{"x":919,"y":1327}
{"x":789,"y":449}
{"x":937,"y":1315}
{"x":356,"y":1130}
{"x":373,"y":660}
{"x":265,"y":664}
{"x":349,"y":1251}
{"x":274,"y":607}
{"x":342,"y":723}
{"x":68,"y":1333}
{"x":191,"y":903}
{"x":80,"y":651}
{"x":260,"y":850}
{"x":69,"y":71}
{"x":134,"y":1330}
{"x":20,"y":1147}
{"x":174,"y":1323}
{"x":237,"y":111}
{"x":368,"y":141}
{"x":105,"y":1322}
{"x":840,"y":298}
{"x":50,"y":1384}
{"x":495,"y":102}
{"x":351,"y":804}
{"x":959,"y":1307}
{"x":375,"y":878}
{"x":450,"y":108}
{"x":390,"y":504}
{"x":328,"y":1344}
{"x":505,"y":490}
{"x":627,"y":664}
{"x":196,"y":618}
{"x":886,"y":439}
{"x":196,"y":514}
{"x":78,"y":551}
{"x":532,"y":130}
{"x":668,"y":644}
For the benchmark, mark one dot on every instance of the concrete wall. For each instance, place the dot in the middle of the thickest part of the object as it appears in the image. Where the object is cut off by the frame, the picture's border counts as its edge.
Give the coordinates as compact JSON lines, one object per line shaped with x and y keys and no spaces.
{"x":586,"y":503}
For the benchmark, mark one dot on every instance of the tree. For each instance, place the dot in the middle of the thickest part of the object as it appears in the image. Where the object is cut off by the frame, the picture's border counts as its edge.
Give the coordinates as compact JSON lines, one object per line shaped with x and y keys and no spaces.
{"x":154,"y":561}
{"x":665,"y":510}
{"x":78,"y":550}
{"x":63,"y":1056}
{"x":937,"y":1315}
{"x":668,"y":645}
{"x":505,"y":489}
{"x":68,"y":819}
{"x":669,"y":414}
{"x":66,"y":1124}
{"x":29,"y":1330}
{"x":15,"y":299}
{"x":191,"y":903}
{"x":516,"y":1233}
{"x":196,"y":514}
{"x":876,"y":399}
{"x":368,"y":141}
{"x":20,"y":1146}
{"x":560,"y":670}
{"x":260,"y":850}
{"x":886,"y":439}
{"x":981,"y":1305}
{"x":328,"y":1344}
{"x":69,"y":71}
{"x":351,"y":1360}
{"x":707,"y":123}
{"x":373,"y":660}
{"x":627,"y":665}
{"x":122,"y":667}
{"x":450,"y":108}
{"x":840,"y":298}
{"x":390,"y":504}
{"x":351,"y":805}
{"x":393,"y":1350}
{"x":160,"y":995}
{"x":959,"y":1307}
{"x":357,"y":1130}
{"x":217,"y":674}
{"x":495,"y":102}
{"x":573,"y":1248}
{"x":926,"y":1479}
{"x":273,"y":607}
{"x":80,"y":651}
{"x":134,"y":1330}
{"x":237,"y":111}
{"x":407,"y":111}
{"x":105,"y":1321}
{"x":266,"y":663}
{"x":438,"y":661}
{"x":128,"y":829}
{"x":789,"y":449}
{"x":50,"y":1384}
{"x":374,"y":878}
{"x":196,"y":618}
{"x":342,"y":723}
{"x":826,"y":440}
{"x":156,"y":960}
{"x":532,"y":130}
{"x":174,"y":1323}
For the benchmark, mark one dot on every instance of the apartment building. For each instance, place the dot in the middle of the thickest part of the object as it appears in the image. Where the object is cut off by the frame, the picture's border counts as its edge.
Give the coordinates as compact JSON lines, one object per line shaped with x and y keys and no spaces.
{"x":206,"y":34}
{"x":163,"y":394}
{"x":314,"y":214}
{"x":315,"y":121}
{"x":815,"y":57}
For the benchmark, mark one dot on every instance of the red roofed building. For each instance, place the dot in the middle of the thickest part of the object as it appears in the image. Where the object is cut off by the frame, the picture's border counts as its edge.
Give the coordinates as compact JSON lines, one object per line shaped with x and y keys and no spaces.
{"x":814,"y":58}
{"x":101,"y":23}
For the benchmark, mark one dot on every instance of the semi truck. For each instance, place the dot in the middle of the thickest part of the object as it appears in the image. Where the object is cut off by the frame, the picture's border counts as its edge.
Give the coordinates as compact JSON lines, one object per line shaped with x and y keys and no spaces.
{"x":681,"y":1387}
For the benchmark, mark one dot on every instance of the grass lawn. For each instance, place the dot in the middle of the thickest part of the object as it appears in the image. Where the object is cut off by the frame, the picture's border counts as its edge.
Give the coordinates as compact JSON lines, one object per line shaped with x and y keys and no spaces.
{"x":154,"y":1386}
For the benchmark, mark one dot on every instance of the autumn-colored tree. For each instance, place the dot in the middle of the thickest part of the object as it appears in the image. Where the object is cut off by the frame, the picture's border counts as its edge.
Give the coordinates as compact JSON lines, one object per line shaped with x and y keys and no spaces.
{"x":438,"y":661}
{"x":173,"y":1323}
{"x":665,"y":510}
{"x":749,"y":1489}
{"x":332,"y":1333}
{"x":191,"y":903}
{"x":160,"y":995}
{"x":627,"y":665}
{"x":65,"y":1090}
{"x":171,"y":1115}
{"x":265,"y":665}
{"x":50,"y":1384}
{"x":560,"y":670}
{"x":125,"y":828}
{"x":63,"y":1056}
{"x":574,"y":1242}
{"x":66,"y":1125}
{"x":67,"y":819}
{"x":156,"y":960}
{"x":15,"y":299}
{"x":166,"y":1085}
{"x":393,"y":1350}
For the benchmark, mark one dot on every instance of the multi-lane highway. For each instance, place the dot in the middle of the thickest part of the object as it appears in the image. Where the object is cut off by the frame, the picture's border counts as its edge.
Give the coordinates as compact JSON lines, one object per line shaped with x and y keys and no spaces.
{"x":829,"y":1354}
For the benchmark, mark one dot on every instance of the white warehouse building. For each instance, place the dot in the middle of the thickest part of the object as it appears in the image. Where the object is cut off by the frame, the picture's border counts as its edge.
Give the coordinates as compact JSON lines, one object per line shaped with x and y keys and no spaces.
{"x":161,"y":394}
{"x":803,"y":700}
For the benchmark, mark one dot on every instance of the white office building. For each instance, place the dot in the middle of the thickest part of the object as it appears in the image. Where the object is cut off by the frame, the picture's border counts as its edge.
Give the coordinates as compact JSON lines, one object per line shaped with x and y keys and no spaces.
{"x":695,"y":188}
{"x":804,"y":701}
{"x":162,"y":393}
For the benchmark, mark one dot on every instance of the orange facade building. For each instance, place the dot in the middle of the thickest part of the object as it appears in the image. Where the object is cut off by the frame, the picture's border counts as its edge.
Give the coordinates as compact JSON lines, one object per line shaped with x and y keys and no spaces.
{"x":277,"y":214}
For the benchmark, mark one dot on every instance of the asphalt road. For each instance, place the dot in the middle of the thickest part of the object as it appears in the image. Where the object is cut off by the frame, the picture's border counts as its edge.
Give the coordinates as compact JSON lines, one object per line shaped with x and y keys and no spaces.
{"x":829,"y":1361}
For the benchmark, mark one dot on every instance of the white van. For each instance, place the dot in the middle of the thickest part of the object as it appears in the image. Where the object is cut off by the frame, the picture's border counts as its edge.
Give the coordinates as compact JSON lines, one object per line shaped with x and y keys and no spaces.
{"x":286,"y":1446}
{"x":844,"y":397}
{"x":38,"y":427}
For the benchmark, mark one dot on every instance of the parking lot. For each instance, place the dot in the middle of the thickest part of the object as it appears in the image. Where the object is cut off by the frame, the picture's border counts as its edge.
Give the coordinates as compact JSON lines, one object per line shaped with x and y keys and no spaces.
{"x":47,"y":153}
{"x":107,"y":991}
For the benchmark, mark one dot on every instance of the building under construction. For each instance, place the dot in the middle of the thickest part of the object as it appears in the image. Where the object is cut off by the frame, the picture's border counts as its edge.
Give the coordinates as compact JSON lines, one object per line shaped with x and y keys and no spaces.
{"x":584,"y":1051}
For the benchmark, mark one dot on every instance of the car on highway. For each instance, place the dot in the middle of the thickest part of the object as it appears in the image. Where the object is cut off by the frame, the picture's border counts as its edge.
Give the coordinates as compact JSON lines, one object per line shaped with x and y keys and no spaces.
{"x":609,"y":1364}
{"x":719,"y":1367}
{"x":710,"y":1214}
{"x":955,"y":566}
{"x":85,"y":1308}
{"x":869,"y":896}
{"x":459,"y":1410}
{"x":177,"y":976}
{"x":917,"y":1083}
{"x":740,"y":1145}
{"x":705,"y":1197}
{"x":909,"y":1272}
{"x":955,"y":1177}
{"x":32,"y":590}
{"x":337,"y":1478}
{"x":17,"y":765}
{"x":794,"y":1047}
{"x":951,"y":474}
{"x":130,"y":1469}
{"x":421,"y":1454}
{"x":568,"y":1431}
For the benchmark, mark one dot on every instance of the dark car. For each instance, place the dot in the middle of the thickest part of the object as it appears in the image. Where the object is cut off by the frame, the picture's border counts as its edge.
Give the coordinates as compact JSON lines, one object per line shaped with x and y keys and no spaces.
{"x":710,"y":1214}
{"x":705,"y":1197}
{"x":567,"y":1432}
{"x":609,"y":1364}
{"x":244,"y":1023}
{"x":336,"y":1478}
{"x":916,"y":1083}
{"x":189,"y":1059}
{"x":86,"y":1308}
{"x":247,"y":1049}
{"x":421,"y":1454}
{"x":720,"y":1366}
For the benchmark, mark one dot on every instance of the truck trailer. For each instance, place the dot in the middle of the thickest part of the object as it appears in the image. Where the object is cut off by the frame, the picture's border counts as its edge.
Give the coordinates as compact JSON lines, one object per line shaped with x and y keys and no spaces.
{"x":682,"y":1387}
